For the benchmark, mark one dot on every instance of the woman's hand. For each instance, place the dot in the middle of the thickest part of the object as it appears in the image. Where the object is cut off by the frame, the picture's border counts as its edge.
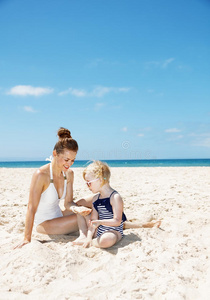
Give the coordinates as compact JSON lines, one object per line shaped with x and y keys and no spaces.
{"x":82,"y":210}
{"x":25,"y":242}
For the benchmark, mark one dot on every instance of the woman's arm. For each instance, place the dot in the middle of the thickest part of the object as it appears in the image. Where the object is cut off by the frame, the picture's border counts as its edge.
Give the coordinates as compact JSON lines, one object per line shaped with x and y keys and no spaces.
{"x":68,"y":203}
{"x":36,"y":188}
{"x":117,"y":207}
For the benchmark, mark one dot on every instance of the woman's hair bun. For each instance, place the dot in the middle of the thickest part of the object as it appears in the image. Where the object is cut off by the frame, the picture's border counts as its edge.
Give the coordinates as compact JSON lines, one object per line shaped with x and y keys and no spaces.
{"x":63,"y":133}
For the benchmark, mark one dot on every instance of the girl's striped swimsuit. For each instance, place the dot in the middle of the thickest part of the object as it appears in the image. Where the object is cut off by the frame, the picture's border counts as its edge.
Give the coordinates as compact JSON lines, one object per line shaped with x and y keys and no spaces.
{"x":104,"y":209}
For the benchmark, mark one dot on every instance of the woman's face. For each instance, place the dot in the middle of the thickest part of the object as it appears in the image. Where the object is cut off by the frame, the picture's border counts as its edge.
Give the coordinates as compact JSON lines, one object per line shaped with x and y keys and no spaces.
{"x":66,"y":159}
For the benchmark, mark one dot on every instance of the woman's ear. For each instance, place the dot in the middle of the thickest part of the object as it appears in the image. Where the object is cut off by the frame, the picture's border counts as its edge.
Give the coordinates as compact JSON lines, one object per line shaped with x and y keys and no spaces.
{"x":54,"y":153}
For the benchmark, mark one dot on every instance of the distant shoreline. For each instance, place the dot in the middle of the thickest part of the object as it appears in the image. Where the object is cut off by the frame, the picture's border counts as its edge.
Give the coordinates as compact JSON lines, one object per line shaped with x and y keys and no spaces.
{"x":117,"y":163}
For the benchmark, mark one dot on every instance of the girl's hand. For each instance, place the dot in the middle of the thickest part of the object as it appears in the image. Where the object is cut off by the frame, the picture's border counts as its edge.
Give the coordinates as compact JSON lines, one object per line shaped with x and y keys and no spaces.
{"x":25,"y":242}
{"x":95,"y":223}
{"x":87,"y":243}
{"x":82,"y":210}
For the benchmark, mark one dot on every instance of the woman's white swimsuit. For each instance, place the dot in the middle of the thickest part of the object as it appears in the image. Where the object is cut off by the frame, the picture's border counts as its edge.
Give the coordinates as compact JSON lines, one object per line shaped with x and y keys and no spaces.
{"x":48,"y":207}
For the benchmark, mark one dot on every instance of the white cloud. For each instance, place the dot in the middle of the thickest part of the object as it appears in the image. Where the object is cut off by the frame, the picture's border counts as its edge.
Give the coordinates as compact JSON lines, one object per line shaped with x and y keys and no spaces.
{"x":155,"y":93}
{"x":125,"y":129}
{"x":150,"y":91}
{"x":175,"y":138}
{"x":203,"y":143}
{"x":160,"y":64}
{"x":140,"y":134}
{"x":28,"y":90}
{"x":122,"y":90}
{"x":172,"y":130}
{"x":29,"y":109}
{"x":167,"y":62}
{"x":95,"y":63}
{"x":152,"y":64}
{"x":101,"y":62}
{"x":98,"y":91}
{"x":202,"y":140}
{"x":74,"y":92}
{"x":148,"y":128}
{"x":99,"y":105}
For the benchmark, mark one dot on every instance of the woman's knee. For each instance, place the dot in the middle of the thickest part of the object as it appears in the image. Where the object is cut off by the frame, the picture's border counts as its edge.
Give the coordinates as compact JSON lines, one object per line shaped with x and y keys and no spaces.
{"x":40,"y":229}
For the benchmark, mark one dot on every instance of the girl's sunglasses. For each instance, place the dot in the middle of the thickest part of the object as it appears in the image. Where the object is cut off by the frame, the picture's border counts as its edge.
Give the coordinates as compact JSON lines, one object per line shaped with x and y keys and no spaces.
{"x":89,"y":182}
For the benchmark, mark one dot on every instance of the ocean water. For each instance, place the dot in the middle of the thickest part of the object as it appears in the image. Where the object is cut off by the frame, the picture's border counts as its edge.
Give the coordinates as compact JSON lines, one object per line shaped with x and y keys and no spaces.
{"x":117,"y":163}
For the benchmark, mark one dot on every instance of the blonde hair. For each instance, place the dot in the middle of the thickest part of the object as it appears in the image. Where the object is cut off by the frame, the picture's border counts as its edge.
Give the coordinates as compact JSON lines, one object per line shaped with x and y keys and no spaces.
{"x":99,"y":169}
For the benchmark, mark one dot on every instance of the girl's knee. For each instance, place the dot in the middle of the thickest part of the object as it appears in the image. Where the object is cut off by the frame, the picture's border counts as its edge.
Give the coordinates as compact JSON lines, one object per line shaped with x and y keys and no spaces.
{"x":108,"y":240}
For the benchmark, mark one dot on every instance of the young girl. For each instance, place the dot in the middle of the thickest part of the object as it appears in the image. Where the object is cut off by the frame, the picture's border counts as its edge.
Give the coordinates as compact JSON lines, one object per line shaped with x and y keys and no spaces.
{"x":104,"y":227}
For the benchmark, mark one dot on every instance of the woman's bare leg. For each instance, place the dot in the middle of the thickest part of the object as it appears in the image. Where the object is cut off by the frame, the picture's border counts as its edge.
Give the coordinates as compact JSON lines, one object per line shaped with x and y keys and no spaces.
{"x":62,"y":225}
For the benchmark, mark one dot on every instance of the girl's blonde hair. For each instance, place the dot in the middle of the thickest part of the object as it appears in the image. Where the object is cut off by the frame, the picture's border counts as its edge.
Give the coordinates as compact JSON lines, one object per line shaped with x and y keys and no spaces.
{"x":99,"y":169}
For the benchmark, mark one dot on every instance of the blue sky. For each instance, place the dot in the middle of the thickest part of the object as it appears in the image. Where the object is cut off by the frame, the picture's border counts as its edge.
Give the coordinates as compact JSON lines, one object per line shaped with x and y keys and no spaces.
{"x":129,"y":78}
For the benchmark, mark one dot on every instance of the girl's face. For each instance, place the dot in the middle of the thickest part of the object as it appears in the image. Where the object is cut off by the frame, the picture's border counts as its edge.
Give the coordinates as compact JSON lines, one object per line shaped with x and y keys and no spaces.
{"x":66,"y":159}
{"x":93,"y":183}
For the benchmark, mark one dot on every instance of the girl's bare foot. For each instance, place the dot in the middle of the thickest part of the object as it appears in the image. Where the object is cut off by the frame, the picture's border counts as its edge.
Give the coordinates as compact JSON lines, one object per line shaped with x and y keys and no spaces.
{"x":79,"y":241}
{"x":151,"y":224}
{"x":136,"y":224}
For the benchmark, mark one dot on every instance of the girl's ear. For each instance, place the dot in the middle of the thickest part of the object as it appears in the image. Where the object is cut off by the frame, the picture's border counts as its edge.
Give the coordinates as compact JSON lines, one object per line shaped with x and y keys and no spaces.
{"x":101,"y":181}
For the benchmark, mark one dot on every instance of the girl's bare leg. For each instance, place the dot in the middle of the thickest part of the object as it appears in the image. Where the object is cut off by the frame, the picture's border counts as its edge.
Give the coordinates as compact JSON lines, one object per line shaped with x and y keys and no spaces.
{"x":153,"y":223}
{"x":62,"y":225}
{"x":83,"y":229}
{"x":107,"y":239}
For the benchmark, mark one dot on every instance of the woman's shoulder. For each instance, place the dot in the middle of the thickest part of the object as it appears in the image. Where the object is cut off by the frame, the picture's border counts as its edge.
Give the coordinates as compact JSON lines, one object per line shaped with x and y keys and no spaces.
{"x":43,"y":172}
{"x":41,"y":177}
{"x":69,"y":175}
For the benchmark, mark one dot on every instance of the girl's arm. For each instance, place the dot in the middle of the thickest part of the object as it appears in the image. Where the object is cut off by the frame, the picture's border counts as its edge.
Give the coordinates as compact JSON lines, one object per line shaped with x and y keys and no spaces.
{"x":117,"y":207}
{"x":68,"y":203}
{"x":37,"y":185}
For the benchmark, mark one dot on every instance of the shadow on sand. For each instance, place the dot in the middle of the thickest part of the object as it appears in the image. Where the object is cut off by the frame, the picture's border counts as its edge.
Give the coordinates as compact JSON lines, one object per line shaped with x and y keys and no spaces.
{"x":126,"y":240}
{"x":63,"y":239}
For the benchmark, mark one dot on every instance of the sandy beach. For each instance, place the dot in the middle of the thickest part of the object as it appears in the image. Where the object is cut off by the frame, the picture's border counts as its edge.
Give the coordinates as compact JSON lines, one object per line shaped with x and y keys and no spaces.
{"x":170,"y":263}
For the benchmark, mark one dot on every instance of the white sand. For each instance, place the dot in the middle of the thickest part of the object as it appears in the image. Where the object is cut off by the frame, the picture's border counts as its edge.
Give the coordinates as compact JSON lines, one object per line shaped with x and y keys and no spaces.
{"x":147,"y":264}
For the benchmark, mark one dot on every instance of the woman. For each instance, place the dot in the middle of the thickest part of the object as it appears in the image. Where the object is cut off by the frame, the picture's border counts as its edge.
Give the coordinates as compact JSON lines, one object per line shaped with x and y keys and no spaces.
{"x":49,"y":185}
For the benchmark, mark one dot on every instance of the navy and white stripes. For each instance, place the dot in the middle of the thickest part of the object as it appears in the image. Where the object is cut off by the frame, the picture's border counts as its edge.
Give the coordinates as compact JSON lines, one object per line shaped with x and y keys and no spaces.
{"x":105,"y":212}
